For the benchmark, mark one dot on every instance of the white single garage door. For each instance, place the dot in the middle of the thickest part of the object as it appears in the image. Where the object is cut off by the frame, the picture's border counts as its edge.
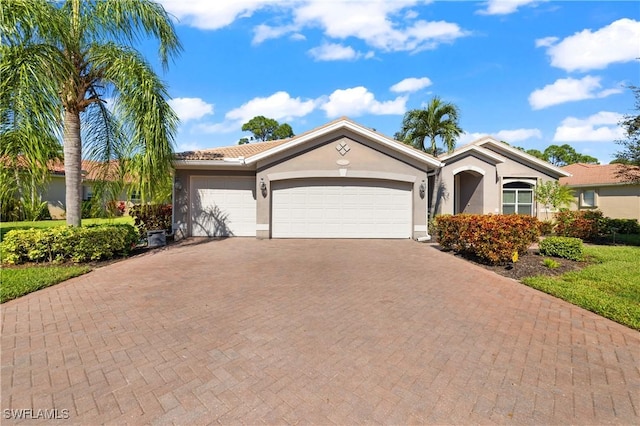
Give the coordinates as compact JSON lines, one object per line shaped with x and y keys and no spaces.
{"x":223,"y":206}
{"x":341,"y":208}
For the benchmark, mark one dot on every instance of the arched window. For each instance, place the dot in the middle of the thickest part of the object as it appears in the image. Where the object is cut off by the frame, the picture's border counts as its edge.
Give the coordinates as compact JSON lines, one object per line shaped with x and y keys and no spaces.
{"x":517,"y":197}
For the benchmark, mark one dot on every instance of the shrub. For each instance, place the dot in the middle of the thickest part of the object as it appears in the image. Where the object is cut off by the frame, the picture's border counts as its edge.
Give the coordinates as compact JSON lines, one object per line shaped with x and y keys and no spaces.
{"x":565,"y":247}
{"x":546,"y":227}
{"x":148,"y":217}
{"x":586,"y":225}
{"x":78,"y":244}
{"x":493,"y":239}
{"x":622,"y":226}
{"x":551,"y":263}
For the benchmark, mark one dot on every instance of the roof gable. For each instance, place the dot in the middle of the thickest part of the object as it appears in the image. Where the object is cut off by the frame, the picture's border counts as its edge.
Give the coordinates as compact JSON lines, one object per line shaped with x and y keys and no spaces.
{"x":263,"y":150}
{"x":498,"y":149}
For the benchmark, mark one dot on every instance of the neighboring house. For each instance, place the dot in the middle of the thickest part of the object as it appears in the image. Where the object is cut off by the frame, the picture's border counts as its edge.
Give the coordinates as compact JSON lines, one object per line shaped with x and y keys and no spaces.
{"x":602,"y":187}
{"x":55,"y":190}
{"x":343,"y":180}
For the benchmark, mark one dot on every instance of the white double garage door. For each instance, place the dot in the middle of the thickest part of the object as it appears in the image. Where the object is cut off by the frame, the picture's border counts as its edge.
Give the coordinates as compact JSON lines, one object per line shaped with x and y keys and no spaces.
{"x":303,"y":208}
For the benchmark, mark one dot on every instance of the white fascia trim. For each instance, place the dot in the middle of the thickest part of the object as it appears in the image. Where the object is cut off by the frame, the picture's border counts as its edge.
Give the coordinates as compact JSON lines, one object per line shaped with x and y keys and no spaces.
{"x":523,"y":154}
{"x":485,"y":152}
{"x":363,"y":131}
{"x":467,"y":168}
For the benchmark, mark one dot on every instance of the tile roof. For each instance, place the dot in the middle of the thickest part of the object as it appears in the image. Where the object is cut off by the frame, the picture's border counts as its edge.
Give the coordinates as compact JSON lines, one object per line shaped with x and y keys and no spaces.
{"x":594,"y":174}
{"x":234,"y":151}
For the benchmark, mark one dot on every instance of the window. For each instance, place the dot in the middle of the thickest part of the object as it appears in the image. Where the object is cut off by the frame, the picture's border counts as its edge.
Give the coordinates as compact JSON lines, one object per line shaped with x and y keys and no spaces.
{"x":517,"y":197}
{"x":588,"y":198}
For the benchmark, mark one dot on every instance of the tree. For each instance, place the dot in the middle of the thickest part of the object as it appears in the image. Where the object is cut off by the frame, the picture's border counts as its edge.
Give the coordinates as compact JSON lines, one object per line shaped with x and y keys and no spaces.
{"x":630,"y":155}
{"x":552,"y":194}
{"x":438,"y":121}
{"x":564,"y":155}
{"x":61,"y":61}
{"x":265,"y":129}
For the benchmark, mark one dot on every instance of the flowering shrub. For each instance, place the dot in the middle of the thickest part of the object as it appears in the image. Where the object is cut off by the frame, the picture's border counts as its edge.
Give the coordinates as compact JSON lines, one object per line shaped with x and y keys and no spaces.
{"x":566,"y":247}
{"x":586,"y":225}
{"x":493,"y":239}
{"x":149,"y":217}
{"x":78,"y":244}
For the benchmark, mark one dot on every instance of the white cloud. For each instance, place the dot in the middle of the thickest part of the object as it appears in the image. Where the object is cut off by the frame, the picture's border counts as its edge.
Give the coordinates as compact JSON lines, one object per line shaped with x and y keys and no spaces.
{"x":381,"y":26}
{"x":334,"y":52}
{"x":587,"y":50}
{"x":546,"y":41}
{"x":411,"y":84}
{"x":504,"y":7}
{"x":213,"y":15}
{"x":518,"y":135}
{"x":279,"y":106}
{"x":467,"y":138}
{"x":357,"y":101}
{"x":600,"y":127}
{"x":510,"y":136}
{"x":567,"y":90}
{"x":190,"y":108}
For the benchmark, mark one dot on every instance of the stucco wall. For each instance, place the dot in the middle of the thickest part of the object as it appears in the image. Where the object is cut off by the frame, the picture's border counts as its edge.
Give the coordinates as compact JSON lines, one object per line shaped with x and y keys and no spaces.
{"x":54,"y":195}
{"x":618,"y":202}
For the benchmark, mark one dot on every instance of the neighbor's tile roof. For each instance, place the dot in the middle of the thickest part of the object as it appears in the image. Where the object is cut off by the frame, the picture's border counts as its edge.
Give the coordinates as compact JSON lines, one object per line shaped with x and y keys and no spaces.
{"x":235,"y":151}
{"x":593,"y":174}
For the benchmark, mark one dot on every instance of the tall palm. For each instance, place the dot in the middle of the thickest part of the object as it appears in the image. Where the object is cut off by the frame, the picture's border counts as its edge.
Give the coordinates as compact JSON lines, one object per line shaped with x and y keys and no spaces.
{"x":438,"y":121}
{"x":61,"y":62}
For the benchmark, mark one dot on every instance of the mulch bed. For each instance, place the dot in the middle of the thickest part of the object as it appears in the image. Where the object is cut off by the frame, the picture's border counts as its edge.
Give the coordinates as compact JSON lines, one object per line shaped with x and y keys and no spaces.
{"x":530,"y":265}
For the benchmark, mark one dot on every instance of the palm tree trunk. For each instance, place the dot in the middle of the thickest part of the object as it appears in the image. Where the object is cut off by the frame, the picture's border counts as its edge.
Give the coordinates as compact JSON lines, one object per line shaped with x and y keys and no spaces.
{"x":73,"y":167}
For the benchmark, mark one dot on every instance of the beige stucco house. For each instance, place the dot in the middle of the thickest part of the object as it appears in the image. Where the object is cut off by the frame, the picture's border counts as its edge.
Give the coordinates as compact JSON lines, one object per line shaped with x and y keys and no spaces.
{"x":604,"y":188}
{"x":344,"y":180}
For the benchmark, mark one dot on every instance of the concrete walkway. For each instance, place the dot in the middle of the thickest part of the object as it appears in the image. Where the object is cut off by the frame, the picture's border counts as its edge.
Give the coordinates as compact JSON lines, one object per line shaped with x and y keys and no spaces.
{"x":311,"y":331}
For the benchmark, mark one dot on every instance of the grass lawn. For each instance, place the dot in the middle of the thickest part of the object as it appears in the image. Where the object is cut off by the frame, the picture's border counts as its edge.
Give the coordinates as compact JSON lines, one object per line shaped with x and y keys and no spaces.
{"x":8,"y":226}
{"x":17,"y":282}
{"x":610,"y":287}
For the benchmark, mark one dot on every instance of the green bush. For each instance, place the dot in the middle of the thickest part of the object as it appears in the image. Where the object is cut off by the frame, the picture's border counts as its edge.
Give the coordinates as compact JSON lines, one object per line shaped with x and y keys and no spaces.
{"x":622,"y":226}
{"x":565,"y":247}
{"x":492,"y":239}
{"x":77,"y":244}
{"x":149,"y":217}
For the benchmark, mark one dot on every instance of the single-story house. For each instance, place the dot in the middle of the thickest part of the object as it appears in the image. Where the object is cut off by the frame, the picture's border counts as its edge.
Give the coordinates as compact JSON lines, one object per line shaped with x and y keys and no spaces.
{"x":344,"y":180}
{"x":605,"y":188}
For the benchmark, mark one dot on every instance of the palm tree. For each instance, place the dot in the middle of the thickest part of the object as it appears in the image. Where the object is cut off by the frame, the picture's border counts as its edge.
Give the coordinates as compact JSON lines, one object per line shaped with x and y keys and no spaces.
{"x":61,"y":62}
{"x":439,"y":120}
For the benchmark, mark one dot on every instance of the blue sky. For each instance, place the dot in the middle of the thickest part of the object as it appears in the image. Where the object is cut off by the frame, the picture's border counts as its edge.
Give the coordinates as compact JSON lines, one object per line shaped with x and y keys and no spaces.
{"x":532,"y":73}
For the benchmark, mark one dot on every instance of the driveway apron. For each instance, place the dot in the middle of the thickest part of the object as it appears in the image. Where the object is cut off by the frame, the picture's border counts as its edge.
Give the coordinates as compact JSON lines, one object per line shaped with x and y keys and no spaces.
{"x":310,"y":331}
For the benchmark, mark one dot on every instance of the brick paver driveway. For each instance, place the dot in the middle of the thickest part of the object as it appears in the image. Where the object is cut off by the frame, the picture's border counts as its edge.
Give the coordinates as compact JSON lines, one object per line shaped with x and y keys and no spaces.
{"x":312,"y":331}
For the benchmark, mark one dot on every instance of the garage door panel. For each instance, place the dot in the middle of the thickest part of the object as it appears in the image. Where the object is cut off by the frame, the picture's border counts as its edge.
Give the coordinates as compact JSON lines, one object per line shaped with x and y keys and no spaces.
{"x":341,"y":209}
{"x":223,"y":206}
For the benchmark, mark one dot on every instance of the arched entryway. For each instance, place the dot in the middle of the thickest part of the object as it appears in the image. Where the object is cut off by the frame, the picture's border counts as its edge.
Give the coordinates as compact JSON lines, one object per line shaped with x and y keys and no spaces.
{"x":468,"y":191}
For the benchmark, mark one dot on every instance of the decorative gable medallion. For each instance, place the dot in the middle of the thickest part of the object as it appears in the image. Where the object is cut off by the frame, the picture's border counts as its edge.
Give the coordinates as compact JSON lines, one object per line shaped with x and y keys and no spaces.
{"x":343,"y":148}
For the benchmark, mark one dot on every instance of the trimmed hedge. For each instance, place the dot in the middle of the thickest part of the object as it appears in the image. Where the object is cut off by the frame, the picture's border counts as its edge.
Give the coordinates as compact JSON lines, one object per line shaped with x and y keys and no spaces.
{"x":622,"y":226}
{"x":493,"y":239}
{"x":565,"y":247}
{"x":77,"y":244}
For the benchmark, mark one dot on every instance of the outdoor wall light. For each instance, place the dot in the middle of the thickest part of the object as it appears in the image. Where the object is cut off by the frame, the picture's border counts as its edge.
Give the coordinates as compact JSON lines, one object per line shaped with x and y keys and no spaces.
{"x":177,"y":183}
{"x":263,"y":187}
{"x":423,"y":189}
